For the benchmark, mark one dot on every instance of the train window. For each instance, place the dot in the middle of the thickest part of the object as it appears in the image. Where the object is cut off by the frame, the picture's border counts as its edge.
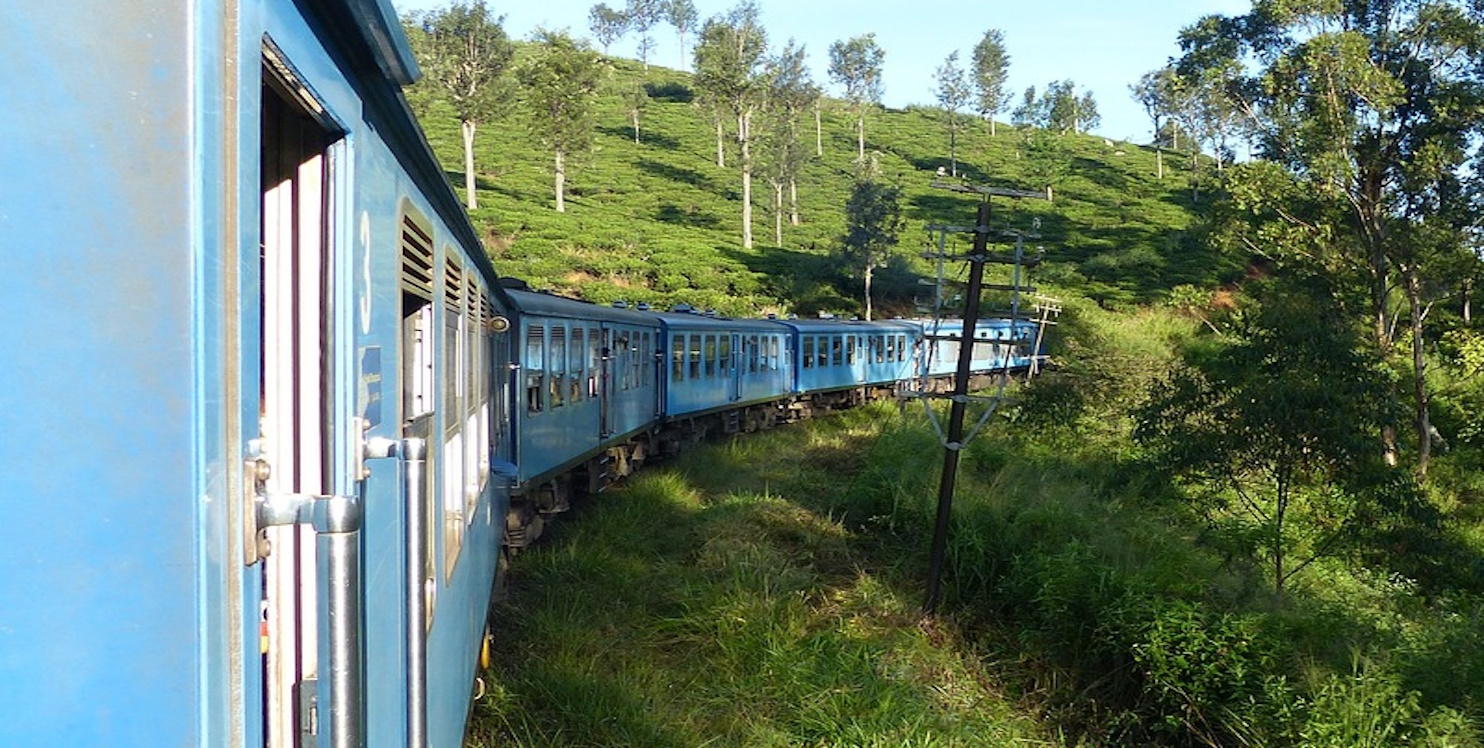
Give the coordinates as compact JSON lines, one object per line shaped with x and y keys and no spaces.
{"x":710,"y":355}
{"x":417,"y":317}
{"x":535,"y":367}
{"x":822,"y":344}
{"x":594,"y":360}
{"x":557,"y":362}
{"x":576,"y":373}
{"x":695,"y":356}
{"x":473,"y":332}
{"x":850,"y":350}
{"x":753,"y":354}
{"x":837,"y":350}
{"x":636,"y":348}
{"x":417,"y":356}
{"x":775,"y":353}
{"x":880,"y":348}
{"x":677,"y":357}
{"x":724,"y":350}
{"x":808,"y":352}
{"x":453,"y":341}
{"x":455,"y":438}
{"x":902,"y":348}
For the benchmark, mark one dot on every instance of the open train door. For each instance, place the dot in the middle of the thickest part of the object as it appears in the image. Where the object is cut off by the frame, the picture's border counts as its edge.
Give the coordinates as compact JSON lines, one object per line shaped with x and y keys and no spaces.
{"x":306,"y":537}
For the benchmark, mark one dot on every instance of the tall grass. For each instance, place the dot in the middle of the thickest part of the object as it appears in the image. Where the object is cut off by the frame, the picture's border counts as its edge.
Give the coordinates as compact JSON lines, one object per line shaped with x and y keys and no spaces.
{"x":718,"y":602}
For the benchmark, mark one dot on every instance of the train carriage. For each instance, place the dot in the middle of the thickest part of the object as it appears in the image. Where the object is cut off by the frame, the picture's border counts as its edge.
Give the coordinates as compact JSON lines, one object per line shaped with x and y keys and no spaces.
{"x":718,"y":363}
{"x":998,"y":344}
{"x":250,"y":437}
{"x":586,"y":379}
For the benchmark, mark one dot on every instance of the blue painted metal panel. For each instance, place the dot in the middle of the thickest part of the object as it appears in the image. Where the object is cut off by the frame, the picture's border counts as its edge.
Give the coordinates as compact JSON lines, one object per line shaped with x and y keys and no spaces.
{"x":555,"y":436}
{"x":706,"y":383}
{"x":98,"y":393}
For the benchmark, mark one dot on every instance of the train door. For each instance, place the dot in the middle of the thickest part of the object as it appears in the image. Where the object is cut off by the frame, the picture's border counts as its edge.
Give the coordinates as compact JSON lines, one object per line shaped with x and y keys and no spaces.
{"x":733,"y":371}
{"x":614,"y":355}
{"x":296,"y":403}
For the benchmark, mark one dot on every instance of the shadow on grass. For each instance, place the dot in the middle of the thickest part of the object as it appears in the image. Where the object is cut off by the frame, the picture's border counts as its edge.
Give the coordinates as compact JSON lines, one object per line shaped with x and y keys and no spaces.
{"x":691,"y":216}
{"x":675,"y":173}
{"x":647,"y":138}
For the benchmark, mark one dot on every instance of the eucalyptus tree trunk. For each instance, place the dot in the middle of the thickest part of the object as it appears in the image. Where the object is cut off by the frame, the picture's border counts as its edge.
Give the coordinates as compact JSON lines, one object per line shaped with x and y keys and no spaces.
{"x":469,"y":195}
{"x":793,"y":202}
{"x":818,"y":133}
{"x":870,"y":269}
{"x":561,"y":182}
{"x":860,"y":134}
{"x":744,"y":141}
{"x":721,"y":151}
{"x":778,"y":213}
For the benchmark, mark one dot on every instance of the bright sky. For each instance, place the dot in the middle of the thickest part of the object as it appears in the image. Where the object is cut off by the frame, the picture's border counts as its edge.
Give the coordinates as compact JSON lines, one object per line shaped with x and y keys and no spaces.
{"x":1101,"y":45}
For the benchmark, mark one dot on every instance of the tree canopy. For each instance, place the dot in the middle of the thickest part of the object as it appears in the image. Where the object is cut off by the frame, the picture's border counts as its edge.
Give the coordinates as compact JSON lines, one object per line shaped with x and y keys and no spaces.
{"x":991,"y":66}
{"x":559,"y":84}
{"x":855,"y":64}
{"x":464,"y":52}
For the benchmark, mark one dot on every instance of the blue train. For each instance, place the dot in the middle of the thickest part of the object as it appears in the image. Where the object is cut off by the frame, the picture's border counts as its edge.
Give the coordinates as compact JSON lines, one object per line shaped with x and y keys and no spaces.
{"x":272,"y":419}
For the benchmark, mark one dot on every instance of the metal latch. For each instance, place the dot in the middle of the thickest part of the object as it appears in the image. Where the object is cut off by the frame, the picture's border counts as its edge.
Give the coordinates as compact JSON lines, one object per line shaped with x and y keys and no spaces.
{"x":263,"y":509}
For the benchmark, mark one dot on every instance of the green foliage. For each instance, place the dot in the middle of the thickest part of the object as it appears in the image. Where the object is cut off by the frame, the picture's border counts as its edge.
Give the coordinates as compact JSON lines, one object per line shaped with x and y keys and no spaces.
{"x":1276,"y":427}
{"x":873,"y":219}
{"x":991,"y":68}
{"x":607,"y":24}
{"x":559,"y":83}
{"x":464,"y":51}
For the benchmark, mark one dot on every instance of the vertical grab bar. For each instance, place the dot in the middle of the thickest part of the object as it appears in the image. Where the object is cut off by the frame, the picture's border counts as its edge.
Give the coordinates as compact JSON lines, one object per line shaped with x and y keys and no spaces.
{"x":337,"y":522}
{"x":413,"y":453}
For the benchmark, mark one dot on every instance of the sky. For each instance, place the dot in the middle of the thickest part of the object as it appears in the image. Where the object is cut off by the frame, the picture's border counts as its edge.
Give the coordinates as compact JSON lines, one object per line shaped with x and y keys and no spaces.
{"x":1103,"y":46}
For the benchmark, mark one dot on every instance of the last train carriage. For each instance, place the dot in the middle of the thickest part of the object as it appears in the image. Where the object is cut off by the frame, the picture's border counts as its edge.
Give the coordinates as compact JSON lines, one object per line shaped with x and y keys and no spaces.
{"x":250,"y":422}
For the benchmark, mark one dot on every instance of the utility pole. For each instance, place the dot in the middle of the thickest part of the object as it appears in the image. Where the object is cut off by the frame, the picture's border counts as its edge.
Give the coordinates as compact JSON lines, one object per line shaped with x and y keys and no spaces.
{"x":953,"y":443}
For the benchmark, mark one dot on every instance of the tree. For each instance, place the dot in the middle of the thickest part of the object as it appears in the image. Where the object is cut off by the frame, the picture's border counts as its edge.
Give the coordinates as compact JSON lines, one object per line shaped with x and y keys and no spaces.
{"x":1086,"y":116}
{"x":608,"y":25}
{"x":856,"y":66}
{"x":1155,"y":92}
{"x":1274,"y":430}
{"x":1058,"y":108}
{"x":1031,"y":112}
{"x":953,"y":94}
{"x":991,"y":72}
{"x":790,"y":92}
{"x":1373,"y":108}
{"x":635,"y":100}
{"x":682,"y":15}
{"x":464,"y":51}
{"x":643,"y":15}
{"x":873,"y":220}
{"x":559,"y":84}
{"x":729,"y":59}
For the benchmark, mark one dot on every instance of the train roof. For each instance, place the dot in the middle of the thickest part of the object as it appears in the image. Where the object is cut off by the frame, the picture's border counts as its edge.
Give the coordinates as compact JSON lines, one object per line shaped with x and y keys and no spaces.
{"x":550,"y":305}
{"x":819,"y":326}
{"x":693,"y":321}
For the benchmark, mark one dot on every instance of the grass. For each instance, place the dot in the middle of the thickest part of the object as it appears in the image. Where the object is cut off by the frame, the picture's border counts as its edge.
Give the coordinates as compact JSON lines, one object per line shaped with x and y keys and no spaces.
{"x":718,"y":602}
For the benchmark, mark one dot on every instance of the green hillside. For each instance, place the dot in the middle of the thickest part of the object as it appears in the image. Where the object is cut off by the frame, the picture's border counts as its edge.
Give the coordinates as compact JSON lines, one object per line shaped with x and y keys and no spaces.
{"x":659,"y":221}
